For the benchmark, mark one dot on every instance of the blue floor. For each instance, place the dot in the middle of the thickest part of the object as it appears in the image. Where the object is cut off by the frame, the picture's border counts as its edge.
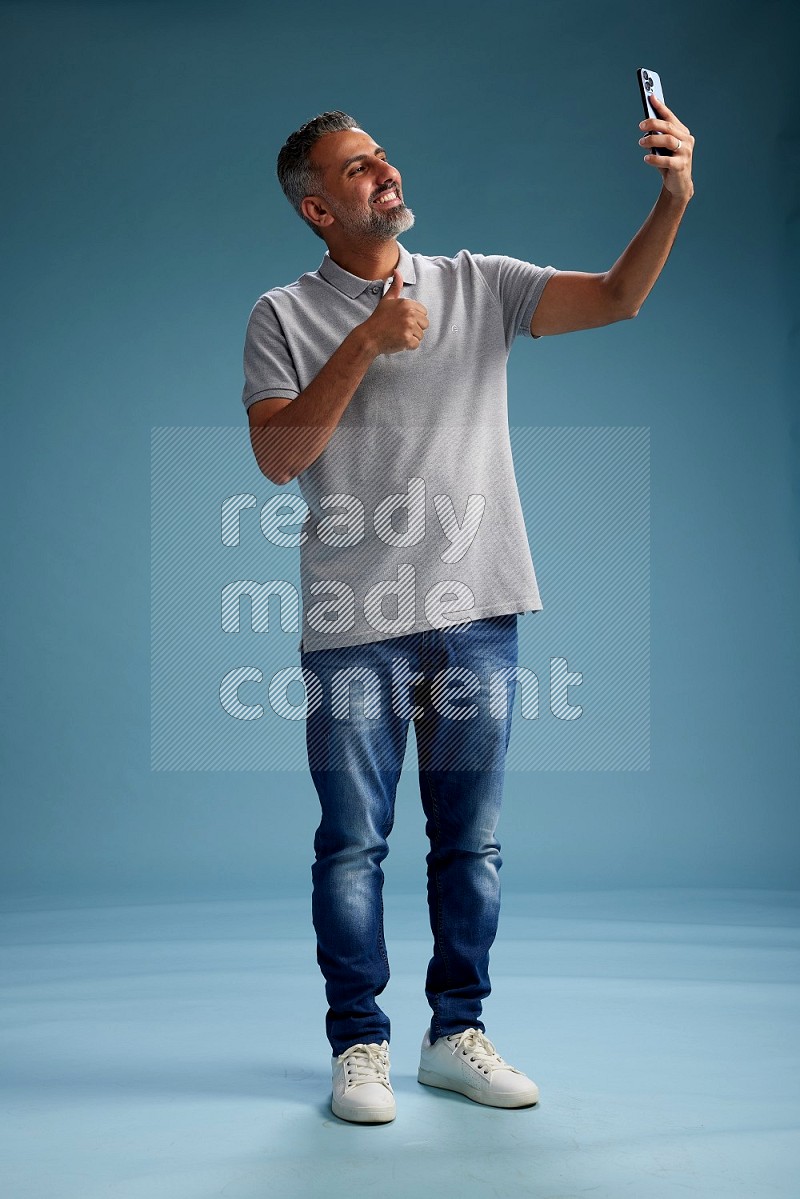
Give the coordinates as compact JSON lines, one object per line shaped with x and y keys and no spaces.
{"x":178,"y":1050}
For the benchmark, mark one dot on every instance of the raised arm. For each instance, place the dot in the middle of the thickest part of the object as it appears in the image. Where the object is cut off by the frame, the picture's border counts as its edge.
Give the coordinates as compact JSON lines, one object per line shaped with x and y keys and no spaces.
{"x":574,"y":300}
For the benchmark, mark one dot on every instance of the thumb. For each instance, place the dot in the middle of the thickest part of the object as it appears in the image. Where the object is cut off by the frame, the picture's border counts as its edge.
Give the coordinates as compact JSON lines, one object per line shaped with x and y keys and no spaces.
{"x":396,"y":288}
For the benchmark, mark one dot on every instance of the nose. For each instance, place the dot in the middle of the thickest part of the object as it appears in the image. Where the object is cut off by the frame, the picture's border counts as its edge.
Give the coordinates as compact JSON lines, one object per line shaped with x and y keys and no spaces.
{"x":386,"y":174}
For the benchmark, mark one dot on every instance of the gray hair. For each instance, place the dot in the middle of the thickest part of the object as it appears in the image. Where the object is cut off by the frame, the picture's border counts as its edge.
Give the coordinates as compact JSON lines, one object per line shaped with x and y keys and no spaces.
{"x":296,"y":175}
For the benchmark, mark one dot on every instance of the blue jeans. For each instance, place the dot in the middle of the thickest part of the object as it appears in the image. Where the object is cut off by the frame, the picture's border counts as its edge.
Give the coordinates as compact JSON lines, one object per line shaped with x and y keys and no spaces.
{"x":355,"y":755}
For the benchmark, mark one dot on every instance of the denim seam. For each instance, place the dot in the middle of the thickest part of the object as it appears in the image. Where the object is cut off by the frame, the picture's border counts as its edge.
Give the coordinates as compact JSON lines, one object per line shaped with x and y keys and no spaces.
{"x":382,"y":940}
{"x":439,"y":947}
{"x":438,"y":883}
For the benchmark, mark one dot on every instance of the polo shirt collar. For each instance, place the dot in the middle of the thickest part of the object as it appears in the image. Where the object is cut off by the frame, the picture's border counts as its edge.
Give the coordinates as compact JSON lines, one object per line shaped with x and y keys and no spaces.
{"x":352,"y":285}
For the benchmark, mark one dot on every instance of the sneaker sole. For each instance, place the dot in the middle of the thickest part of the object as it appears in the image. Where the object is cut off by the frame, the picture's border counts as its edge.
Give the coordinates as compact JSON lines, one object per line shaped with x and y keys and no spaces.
{"x":363,"y":1115}
{"x":430,"y":1078}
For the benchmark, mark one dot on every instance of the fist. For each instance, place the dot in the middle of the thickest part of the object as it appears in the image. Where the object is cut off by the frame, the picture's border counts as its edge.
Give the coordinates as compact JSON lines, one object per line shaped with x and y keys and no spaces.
{"x":397,"y":324}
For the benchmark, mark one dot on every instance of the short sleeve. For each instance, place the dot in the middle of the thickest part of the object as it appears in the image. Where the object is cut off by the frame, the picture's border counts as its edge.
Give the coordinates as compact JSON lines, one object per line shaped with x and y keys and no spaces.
{"x":268,"y":366}
{"x":517,"y":286}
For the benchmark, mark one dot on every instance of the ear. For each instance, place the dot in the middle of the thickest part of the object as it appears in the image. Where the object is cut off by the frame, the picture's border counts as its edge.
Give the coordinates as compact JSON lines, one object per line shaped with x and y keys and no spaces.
{"x":314,"y":210}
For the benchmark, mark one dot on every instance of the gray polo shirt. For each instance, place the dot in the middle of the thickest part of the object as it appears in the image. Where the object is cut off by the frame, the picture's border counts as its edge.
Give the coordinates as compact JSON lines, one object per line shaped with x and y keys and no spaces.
{"x":410,"y":518}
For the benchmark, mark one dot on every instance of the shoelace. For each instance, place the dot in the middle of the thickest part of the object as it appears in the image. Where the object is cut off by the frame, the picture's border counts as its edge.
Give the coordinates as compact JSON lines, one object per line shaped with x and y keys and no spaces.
{"x":366,"y":1063}
{"x":475,"y":1045}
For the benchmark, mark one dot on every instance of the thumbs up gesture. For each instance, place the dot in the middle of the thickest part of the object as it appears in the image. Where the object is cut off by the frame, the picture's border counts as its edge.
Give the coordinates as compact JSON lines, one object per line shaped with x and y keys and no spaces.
{"x":397,"y":324}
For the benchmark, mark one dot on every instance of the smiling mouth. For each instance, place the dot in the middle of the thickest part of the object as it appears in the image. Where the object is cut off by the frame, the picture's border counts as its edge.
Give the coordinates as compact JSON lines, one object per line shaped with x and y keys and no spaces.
{"x":387,"y":199}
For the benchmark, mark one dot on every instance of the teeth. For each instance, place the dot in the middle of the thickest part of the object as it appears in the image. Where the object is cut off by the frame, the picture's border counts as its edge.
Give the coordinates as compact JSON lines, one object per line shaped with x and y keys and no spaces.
{"x":386,"y":197}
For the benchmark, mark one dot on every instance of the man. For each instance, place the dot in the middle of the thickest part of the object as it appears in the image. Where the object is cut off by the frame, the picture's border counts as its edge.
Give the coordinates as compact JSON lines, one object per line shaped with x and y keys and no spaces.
{"x":378,"y":382}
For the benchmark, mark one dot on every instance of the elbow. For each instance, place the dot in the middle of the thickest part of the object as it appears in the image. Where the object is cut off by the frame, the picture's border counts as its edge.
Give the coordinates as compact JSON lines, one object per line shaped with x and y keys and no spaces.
{"x":618,"y":305}
{"x":280,"y":479}
{"x":265,"y":459}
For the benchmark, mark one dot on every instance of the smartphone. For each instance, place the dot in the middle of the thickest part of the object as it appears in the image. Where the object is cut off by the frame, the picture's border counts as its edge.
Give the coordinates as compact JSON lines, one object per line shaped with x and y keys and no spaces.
{"x":650,"y":85}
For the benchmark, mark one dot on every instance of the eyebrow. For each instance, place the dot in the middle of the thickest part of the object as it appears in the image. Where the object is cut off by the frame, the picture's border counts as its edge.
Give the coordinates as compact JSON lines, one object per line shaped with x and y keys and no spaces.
{"x":357,"y":158}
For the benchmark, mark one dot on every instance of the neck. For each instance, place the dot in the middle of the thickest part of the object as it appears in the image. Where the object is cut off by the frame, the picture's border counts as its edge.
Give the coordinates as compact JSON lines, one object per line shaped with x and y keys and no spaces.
{"x":367,"y":260}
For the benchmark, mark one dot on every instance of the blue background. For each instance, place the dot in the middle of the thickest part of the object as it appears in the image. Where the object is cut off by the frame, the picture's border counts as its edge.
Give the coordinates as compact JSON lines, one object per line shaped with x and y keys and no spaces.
{"x":143,"y":219}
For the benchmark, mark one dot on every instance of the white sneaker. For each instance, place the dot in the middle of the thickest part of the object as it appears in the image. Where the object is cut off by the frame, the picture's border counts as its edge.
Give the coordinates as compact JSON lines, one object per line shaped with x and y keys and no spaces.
{"x":362,"y":1092}
{"x":468,"y":1062}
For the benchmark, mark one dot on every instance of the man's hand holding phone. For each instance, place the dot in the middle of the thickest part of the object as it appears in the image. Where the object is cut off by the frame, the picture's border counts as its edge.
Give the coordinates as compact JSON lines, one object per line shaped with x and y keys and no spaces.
{"x":669,"y":143}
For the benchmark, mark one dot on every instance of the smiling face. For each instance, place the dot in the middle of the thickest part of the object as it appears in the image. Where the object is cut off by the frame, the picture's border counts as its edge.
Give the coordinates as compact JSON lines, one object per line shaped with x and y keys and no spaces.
{"x":361,"y":195}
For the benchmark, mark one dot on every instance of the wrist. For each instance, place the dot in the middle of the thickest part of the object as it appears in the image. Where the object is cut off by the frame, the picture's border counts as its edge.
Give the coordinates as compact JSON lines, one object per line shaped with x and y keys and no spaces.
{"x":363,"y":342}
{"x":676,"y":202}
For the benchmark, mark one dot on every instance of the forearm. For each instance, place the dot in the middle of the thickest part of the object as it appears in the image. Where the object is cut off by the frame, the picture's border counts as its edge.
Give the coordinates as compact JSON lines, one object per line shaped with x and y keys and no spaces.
{"x":632,"y":276}
{"x":296,"y":435}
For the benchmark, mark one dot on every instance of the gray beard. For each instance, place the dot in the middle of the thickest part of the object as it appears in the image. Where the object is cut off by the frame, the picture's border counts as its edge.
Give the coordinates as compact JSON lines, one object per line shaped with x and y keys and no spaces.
{"x":373,"y":225}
